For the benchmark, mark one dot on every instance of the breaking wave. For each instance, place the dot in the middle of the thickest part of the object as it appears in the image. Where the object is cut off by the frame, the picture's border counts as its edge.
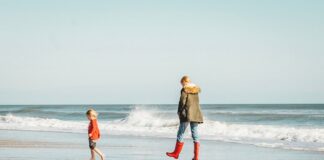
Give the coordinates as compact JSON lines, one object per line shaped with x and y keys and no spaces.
{"x":150,"y":122}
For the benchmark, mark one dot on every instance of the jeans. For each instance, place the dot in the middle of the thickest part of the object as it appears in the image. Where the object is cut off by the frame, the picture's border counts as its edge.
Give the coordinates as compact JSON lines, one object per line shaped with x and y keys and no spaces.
{"x":194,"y":131}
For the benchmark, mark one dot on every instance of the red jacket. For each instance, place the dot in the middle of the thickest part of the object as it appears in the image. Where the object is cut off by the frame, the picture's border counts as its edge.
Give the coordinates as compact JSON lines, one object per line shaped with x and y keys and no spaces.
{"x":93,"y":129}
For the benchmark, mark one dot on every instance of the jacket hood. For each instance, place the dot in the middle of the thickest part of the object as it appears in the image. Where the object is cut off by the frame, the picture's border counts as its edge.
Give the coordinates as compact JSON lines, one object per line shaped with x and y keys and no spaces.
{"x":192,"y":89}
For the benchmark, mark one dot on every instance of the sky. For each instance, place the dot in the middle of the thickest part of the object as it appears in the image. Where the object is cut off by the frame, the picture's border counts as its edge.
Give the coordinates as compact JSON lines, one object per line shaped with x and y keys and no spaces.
{"x":135,"y":52}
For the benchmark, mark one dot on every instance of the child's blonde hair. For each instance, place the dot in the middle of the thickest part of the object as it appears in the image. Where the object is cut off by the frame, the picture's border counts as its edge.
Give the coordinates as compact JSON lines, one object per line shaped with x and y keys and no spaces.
{"x":185,"y":79}
{"x":92,"y":113}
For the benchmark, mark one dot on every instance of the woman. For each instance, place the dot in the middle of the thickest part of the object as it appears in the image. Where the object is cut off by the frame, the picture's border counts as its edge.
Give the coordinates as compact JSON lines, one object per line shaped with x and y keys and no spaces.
{"x":189,"y":113}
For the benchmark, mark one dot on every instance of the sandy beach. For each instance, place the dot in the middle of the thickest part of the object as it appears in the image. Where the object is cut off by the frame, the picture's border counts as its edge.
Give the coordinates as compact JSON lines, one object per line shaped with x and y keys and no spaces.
{"x":31,"y":145}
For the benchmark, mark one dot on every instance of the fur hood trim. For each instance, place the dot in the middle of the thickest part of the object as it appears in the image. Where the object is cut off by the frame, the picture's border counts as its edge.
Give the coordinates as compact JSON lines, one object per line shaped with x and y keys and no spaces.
{"x":192,"y":89}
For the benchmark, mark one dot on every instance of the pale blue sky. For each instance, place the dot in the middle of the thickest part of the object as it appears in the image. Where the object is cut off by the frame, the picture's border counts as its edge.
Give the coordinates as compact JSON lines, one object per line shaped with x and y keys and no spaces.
{"x":67,"y":52}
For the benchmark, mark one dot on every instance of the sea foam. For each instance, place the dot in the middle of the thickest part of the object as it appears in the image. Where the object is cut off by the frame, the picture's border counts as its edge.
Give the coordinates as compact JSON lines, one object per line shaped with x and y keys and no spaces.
{"x":148,"y":122}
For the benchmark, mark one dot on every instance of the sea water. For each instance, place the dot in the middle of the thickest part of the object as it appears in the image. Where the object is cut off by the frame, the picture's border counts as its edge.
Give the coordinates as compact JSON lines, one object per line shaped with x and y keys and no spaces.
{"x":283,"y":126}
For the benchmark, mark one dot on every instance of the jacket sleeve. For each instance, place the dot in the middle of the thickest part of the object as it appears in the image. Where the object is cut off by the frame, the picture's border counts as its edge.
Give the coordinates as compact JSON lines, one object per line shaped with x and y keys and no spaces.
{"x":182,"y":102}
{"x":98,"y":130}
{"x":93,"y":127}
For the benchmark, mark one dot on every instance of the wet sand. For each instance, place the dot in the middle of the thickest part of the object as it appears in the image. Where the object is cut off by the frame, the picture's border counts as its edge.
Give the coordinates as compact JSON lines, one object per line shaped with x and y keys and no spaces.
{"x":30,"y":145}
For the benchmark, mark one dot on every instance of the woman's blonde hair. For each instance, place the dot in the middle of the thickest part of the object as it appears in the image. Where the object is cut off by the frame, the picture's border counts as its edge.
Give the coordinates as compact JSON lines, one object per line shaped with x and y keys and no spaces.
{"x":185,"y":79}
{"x":92,"y":112}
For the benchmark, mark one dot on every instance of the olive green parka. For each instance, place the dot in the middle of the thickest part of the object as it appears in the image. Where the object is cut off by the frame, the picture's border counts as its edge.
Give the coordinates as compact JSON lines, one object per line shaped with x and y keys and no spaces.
{"x":189,"y":108}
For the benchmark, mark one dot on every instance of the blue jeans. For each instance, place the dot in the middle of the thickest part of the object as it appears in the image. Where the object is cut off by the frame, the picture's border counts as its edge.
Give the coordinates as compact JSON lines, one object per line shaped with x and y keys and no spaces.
{"x":194,"y":131}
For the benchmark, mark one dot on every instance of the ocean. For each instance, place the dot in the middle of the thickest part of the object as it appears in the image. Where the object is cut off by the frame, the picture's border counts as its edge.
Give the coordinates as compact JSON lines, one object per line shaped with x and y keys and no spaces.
{"x":280,"y":126}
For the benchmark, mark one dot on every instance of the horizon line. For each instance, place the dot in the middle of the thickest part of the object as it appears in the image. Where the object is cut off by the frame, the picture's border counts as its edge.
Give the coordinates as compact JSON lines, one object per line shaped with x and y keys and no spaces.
{"x":71,"y":104}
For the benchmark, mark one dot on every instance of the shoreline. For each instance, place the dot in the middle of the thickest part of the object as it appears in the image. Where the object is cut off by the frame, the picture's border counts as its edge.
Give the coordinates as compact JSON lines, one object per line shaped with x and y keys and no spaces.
{"x":38,"y":145}
{"x":46,"y":143}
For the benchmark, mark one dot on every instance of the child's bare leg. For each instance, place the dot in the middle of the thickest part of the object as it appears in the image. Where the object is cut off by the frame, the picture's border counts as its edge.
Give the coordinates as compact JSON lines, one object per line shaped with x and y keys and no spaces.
{"x":99,"y":153}
{"x":93,"y":156}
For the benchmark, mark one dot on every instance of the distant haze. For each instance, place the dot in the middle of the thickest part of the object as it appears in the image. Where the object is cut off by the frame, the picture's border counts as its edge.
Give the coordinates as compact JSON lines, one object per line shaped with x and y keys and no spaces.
{"x":74,"y":52}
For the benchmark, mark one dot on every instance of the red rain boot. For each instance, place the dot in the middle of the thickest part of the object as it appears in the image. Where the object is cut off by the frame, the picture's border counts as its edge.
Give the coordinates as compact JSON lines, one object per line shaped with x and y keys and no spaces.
{"x":196,"y":151}
{"x":177,"y":150}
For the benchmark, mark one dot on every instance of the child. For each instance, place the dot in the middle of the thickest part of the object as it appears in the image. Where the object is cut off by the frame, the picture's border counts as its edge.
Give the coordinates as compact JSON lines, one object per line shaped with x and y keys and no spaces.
{"x":94,"y":134}
{"x":189,"y":113}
